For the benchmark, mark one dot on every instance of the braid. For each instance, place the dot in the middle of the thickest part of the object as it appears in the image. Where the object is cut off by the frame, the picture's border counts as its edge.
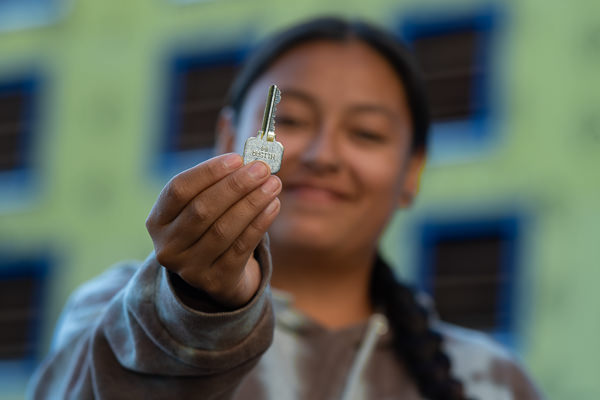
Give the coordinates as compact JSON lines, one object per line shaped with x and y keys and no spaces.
{"x":416,"y":344}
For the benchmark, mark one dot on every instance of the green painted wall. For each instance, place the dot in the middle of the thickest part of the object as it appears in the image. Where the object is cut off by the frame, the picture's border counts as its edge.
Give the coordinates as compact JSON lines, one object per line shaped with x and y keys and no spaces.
{"x":103,"y":65}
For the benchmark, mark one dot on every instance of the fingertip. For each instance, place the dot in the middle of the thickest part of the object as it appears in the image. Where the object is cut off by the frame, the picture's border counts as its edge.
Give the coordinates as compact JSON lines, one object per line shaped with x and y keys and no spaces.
{"x":268,"y":166}
{"x":273,"y":206}
{"x":259,"y":169}
{"x":272,"y":186}
{"x":232,"y":161}
{"x":279,"y":179}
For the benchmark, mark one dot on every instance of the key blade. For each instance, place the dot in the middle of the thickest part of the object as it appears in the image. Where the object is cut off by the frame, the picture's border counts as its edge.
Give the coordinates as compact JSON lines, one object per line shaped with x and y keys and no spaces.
{"x":274,"y":97}
{"x":276,"y":100}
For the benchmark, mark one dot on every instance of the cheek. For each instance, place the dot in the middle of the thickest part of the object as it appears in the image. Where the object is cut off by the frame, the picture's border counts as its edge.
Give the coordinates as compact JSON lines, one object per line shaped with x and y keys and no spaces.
{"x":381,"y":178}
{"x":293,"y":145}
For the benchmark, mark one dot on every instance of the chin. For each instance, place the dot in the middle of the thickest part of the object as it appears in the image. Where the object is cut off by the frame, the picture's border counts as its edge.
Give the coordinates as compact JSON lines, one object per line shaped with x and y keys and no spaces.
{"x":301,"y":236}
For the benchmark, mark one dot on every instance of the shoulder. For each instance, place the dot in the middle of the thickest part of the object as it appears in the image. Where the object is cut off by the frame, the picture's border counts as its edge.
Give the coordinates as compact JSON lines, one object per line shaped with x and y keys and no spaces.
{"x":487,"y":369}
{"x":477,"y":347}
{"x":89,"y":301}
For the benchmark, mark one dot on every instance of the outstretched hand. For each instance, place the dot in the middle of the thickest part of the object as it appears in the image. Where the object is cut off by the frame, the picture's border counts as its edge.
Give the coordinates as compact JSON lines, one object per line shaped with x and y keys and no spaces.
{"x":207,"y":222}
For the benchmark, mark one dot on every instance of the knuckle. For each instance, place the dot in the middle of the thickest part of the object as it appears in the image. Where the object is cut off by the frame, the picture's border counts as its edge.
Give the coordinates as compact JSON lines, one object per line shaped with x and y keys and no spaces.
{"x":239,"y":247}
{"x":258,"y":225}
{"x":149,"y":223}
{"x":175,"y":189}
{"x":163,"y":256}
{"x":254,"y":202}
{"x":199,"y":211}
{"x":219,"y":230}
{"x":236,"y":184}
{"x":212,"y":170}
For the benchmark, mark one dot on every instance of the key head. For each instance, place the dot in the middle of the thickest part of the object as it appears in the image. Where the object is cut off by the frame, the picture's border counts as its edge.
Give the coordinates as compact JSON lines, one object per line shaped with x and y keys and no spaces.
{"x":269,"y":152}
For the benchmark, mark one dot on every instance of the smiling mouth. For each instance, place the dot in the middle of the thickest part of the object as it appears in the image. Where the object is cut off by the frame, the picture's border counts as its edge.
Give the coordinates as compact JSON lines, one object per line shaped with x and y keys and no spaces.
{"x":314,"y":194}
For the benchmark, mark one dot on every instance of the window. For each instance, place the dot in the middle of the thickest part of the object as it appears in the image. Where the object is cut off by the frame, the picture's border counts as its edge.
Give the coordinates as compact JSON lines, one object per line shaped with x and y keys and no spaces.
{"x":19,"y":115}
{"x":198,"y":88}
{"x":17,"y":100}
{"x":22,"y":284}
{"x":469,"y":269}
{"x":455,"y":54}
{"x":451,"y":70}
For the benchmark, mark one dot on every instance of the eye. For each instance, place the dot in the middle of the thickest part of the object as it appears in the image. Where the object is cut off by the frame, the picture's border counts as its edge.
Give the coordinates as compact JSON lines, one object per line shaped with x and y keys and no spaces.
{"x":368,"y":135}
{"x":289,"y":121}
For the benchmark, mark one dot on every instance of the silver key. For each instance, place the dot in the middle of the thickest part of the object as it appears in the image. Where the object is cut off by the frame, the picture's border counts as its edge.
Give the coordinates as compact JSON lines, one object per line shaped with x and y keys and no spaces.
{"x":263,"y":146}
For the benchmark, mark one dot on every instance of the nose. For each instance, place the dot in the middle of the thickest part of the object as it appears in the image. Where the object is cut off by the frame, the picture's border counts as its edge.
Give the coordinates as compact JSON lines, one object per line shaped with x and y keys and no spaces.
{"x":322,"y":153}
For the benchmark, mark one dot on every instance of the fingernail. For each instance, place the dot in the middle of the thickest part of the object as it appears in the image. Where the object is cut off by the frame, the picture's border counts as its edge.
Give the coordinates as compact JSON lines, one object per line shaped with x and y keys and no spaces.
{"x":258,"y":170}
{"x":272,"y":206}
{"x":232,"y":161}
{"x":271,"y":186}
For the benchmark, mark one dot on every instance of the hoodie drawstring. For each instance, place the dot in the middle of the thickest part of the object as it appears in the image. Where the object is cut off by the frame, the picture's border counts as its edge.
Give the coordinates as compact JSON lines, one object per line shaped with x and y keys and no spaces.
{"x":376,"y":327}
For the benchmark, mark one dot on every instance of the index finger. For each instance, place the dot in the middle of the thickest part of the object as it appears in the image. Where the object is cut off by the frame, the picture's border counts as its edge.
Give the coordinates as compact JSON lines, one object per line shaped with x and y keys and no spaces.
{"x":183,"y":187}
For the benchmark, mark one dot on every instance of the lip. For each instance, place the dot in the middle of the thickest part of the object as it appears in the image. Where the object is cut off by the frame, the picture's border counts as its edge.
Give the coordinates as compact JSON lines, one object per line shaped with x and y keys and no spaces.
{"x":321,"y":192}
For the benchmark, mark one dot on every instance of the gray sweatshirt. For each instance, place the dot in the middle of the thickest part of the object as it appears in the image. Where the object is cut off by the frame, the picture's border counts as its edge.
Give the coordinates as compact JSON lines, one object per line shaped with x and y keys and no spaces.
{"x":126,"y":335}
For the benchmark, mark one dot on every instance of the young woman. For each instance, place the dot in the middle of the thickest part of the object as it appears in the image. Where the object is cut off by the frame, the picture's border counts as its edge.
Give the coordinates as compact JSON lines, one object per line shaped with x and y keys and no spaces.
{"x":195,"y":320}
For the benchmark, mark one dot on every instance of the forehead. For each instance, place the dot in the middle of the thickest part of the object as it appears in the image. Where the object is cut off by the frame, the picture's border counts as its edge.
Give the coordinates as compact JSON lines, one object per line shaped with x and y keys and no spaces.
{"x":344,"y":73}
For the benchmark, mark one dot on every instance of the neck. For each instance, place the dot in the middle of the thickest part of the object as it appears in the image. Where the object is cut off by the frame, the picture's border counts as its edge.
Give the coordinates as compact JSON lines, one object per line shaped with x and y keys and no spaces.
{"x":332,"y":290}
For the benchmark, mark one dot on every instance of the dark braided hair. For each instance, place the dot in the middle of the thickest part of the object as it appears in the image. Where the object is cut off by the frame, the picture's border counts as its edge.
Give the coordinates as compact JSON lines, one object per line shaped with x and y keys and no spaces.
{"x":416,"y":344}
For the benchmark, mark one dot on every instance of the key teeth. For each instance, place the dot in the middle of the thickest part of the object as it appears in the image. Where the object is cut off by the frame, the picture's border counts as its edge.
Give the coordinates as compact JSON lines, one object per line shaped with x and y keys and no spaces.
{"x":272,"y":125}
{"x":277,"y":96}
{"x":276,"y":100}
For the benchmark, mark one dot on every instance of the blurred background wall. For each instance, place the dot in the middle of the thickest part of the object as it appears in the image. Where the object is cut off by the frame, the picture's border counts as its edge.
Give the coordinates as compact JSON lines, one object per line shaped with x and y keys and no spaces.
{"x":101,"y":102}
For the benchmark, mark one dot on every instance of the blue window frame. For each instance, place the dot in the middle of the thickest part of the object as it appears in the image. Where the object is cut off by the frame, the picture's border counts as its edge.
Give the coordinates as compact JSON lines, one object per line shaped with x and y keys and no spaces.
{"x":456,"y":54}
{"x":469,"y":267}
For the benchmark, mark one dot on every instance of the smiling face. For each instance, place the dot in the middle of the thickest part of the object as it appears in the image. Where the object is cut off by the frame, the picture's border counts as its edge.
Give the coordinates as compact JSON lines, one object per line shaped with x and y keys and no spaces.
{"x":346,"y":128}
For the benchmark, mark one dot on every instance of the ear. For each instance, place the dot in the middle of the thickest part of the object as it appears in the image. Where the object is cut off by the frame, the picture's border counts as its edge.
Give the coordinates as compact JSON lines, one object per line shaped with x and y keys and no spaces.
{"x":225,"y":140}
{"x":414,"y":169}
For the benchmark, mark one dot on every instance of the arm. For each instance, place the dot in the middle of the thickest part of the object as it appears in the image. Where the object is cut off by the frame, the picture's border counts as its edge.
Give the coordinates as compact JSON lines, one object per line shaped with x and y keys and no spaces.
{"x":146,"y":337}
{"x":126,"y":336}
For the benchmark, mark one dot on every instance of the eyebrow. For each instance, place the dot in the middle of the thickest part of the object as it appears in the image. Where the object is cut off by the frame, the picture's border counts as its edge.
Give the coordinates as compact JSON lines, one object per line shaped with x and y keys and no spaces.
{"x":356,"y":108}
{"x":375,"y":108}
{"x":300,"y":95}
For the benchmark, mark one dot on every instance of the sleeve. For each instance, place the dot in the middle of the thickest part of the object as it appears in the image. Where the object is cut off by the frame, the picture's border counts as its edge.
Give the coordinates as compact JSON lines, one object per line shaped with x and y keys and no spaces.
{"x":127,"y":335}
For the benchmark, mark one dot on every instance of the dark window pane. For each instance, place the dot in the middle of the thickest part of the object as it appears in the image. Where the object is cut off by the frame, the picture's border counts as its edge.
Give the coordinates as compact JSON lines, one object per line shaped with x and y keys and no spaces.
{"x":13,"y":126}
{"x":202,"y":96}
{"x":450,"y":67}
{"x":470,"y":272}
{"x":19,"y":314}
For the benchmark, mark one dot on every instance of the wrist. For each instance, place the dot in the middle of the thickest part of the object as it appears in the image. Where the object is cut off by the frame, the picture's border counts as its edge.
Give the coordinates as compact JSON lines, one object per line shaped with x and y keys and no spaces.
{"x":194,"y":298}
